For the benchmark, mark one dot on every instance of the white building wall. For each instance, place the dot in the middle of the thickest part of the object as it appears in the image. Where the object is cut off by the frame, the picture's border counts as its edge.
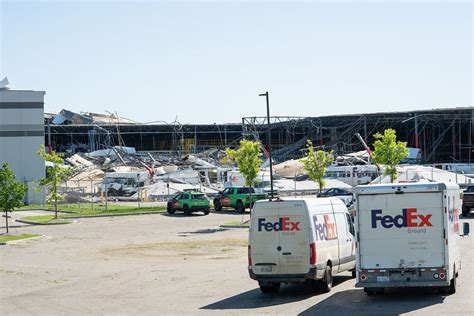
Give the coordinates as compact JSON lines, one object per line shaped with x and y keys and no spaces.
{"x":21,"y":135}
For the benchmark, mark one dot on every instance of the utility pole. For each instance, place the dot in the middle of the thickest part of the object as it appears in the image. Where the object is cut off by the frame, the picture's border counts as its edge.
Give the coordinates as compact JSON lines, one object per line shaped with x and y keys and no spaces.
{"x":49,"y":138}
{"x":269,"y":143}
{"x":416,"y":132}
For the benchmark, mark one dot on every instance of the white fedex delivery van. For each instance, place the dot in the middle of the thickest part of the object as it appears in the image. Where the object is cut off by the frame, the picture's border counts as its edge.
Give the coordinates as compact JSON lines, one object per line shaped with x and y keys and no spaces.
{"x":407,"y":236}
{"x":298,"y":240}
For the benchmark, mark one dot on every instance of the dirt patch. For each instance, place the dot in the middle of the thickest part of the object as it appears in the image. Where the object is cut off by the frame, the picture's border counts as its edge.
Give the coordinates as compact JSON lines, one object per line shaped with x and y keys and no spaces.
{"x":188,"y":248}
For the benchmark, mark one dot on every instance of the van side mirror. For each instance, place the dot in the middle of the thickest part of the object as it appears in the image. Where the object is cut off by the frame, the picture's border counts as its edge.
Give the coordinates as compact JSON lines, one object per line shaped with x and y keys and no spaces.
{"x":465,"y":229}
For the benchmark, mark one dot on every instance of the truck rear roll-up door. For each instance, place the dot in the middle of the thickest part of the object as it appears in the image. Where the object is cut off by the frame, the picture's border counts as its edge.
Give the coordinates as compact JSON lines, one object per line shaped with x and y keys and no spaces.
{"x":401,"y":230}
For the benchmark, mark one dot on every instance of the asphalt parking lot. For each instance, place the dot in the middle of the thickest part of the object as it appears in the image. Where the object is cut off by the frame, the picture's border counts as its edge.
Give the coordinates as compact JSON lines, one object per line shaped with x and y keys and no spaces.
{"x":161,"y":264}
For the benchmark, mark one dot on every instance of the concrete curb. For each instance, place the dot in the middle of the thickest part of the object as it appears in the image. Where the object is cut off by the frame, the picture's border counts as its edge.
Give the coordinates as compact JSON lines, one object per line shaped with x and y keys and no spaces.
{"x":113,"y":215}
{"x":38,"y":223}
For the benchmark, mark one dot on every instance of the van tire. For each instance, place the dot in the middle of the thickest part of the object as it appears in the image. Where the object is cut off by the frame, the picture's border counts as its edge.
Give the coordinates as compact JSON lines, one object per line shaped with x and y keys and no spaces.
{"x":217,"y":205}
{"x":239,"y":207}
{"x":207,"y":211}
{"x":274,"y":288}
{"x":187,"y":210}
{"x":326,"y":282}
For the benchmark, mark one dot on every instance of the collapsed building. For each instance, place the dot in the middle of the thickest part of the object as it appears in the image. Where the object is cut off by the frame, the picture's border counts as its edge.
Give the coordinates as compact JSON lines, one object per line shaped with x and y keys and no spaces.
{"x":442,"y":135}
{"x":115,"y":156}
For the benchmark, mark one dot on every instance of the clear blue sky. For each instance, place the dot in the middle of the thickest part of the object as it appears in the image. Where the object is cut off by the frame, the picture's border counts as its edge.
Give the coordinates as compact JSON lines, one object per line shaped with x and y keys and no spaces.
{"x":207,"y":62}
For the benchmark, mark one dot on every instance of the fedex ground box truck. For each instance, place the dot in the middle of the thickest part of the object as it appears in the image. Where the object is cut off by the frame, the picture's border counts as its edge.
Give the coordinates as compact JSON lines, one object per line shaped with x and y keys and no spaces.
{"x":407,"y":235}
{"x":298,"y":240}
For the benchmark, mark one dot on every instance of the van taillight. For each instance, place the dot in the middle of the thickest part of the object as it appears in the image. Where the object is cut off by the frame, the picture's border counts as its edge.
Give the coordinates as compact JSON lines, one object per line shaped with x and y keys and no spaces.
{"x":312,"y":258}
{"x":249,"y":256}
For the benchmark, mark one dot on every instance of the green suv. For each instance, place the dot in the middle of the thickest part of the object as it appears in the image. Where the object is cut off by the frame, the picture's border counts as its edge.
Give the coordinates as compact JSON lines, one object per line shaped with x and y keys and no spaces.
{"x":189,"y":202}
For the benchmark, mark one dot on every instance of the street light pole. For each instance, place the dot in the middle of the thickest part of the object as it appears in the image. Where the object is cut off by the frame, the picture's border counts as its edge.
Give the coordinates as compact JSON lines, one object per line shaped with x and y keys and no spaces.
{"x":269,"y":143}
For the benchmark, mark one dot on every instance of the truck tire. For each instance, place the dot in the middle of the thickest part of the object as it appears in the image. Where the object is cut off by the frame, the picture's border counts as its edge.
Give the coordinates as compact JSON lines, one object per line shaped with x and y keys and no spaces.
{"x":353,"y":273}
{"x":326,"y":282}
{"x":374,"y":291}
{"x":169,"y":209}
{"x":217,"y":205}
{"x":452,"y":284}
{"x":274,"y":288}
{"x":207,"y":211}
{"x":239,"y":207}
{"x":465,"y":211}
{"x":187,"y":210}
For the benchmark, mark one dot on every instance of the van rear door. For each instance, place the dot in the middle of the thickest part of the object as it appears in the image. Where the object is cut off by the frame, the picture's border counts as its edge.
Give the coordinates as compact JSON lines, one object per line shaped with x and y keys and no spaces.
{"x":264,"y":240}
{"x":401,"y":230}
{"x":294,"y":238}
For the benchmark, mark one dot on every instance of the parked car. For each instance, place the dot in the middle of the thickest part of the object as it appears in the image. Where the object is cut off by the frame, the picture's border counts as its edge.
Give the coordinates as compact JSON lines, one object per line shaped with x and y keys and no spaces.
{"x":237,"y":198}
{"x":343,"y":194}
{"x":467,"y":200}
{"x":298,"y":240}
{"x":189,"y":202}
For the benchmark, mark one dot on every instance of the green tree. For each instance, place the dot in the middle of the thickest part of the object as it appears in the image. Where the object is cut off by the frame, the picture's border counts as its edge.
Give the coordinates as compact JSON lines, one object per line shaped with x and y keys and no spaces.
{"x":316,"y":163}
{"x":11,"y":191}
{"x":54,"y":176}
{"x":248,"y":160}
{"x":389,"y":152}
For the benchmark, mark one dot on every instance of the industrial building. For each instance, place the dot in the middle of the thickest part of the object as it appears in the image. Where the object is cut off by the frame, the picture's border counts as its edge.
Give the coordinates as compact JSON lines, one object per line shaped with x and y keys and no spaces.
{"x":21,"y":135}
{"x":443,"y":135}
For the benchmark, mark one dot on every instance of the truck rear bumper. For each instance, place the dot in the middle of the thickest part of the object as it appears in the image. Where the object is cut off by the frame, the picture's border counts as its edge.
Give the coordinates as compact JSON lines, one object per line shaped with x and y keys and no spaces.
{"x":402,"y":284}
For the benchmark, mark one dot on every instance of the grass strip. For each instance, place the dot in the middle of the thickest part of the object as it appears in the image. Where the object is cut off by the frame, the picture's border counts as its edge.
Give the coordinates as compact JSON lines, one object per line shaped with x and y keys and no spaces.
{"x":236,"y":224}
{"x":88,"y":209}
{"x":45,"y":219}
{"x":7,"y":238}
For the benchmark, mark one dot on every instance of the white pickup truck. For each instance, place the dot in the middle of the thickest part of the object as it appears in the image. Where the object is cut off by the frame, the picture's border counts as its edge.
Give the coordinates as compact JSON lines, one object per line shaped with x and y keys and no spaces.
{"x":407,"y":235}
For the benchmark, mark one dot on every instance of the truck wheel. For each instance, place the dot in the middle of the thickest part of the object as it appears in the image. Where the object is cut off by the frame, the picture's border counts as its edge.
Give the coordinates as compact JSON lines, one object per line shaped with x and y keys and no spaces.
{"x":452,"y":285}
{"x":326,"y":282}
{"x":217,"y":205}
{"x":239,"y":207}
{"x":274,"y":288}
{"x":170,"y":209}
{"x":374,"y":291}
{"x":465,"y":211}
{"x":353,"y":273}
{"x":187,"y":210}
{"x":207,"y":211}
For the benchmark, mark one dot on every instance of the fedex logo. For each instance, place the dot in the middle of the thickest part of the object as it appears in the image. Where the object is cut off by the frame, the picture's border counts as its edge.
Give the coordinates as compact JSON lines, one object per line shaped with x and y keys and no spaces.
{"x":408,"y":218}
{"x":283,"y":224}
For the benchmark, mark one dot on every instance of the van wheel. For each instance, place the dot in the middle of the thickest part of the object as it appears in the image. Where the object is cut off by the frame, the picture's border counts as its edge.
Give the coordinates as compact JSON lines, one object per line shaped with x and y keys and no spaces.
{"x":187,"y":210}
{"x":326,"y":282}
{"x":239,"y":207}
{"x":274,"y":288}
{"x":217,"y":205}
{"x":207,"y":211}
